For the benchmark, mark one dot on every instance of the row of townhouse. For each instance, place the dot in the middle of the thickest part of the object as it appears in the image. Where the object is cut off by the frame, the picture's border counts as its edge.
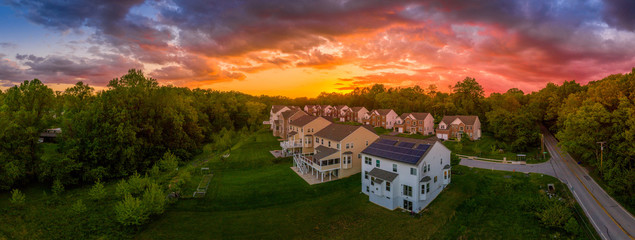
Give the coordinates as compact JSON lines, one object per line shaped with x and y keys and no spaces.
{"x":396,"y":172}
{"x":450,"y":127}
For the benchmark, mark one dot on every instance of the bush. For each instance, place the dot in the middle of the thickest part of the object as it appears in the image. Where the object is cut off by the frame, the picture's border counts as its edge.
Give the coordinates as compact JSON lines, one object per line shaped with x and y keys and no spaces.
{"x":122,"y":189}
{"x":97,"y":192}
{"x":136,"y":184}
{"x":78,"y":207}
{"x":17,"y":198}
{"x":169,"y":162}
{"x":58,"y":187}
{"x":555,"y":215}
{"x":154,"y":199}
{"x":130,"y":211}
{"x":572,"y":226}
{"x":454,"y":159}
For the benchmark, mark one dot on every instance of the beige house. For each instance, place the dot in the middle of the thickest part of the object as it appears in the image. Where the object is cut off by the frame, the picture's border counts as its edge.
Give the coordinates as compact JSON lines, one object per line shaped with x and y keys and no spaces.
{"x":455,"y":126}
{"x":275,"y":118}
{"x":422,"y":123}
{"x":287,"y":117}
{"x":300,"y":135}
{"x":337,"y":151}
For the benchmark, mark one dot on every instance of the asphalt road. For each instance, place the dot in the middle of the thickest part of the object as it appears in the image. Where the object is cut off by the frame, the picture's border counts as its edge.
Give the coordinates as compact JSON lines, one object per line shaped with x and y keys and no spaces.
{"x":609,"y":219}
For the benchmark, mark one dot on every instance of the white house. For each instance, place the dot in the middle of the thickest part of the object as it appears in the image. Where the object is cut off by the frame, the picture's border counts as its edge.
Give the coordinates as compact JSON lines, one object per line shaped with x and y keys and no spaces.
{"x":405,"y":173}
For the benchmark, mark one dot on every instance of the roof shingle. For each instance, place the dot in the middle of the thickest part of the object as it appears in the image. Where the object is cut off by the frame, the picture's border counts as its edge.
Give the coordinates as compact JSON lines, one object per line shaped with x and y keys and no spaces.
{"x":383,"y":174}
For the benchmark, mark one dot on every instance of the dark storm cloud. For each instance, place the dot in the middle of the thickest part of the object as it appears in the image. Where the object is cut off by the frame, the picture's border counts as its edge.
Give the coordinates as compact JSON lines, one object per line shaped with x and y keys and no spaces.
{"x":237,"y":27}
{"x":523,"y":40}
{"x":620,"y":13}
{"x":64,"y":69}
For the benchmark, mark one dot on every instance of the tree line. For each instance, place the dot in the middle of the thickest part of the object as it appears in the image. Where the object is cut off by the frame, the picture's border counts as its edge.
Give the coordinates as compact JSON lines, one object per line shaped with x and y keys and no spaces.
{"x":115,"y":132}
{"x":130,"y":125}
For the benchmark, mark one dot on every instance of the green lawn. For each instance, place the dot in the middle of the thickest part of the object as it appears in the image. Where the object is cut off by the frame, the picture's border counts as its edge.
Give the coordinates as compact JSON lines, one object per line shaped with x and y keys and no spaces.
{"x":254,"y":196}
{"x":267,"y":200}
{"x":483,"y":148}
{"x":382,"y":131}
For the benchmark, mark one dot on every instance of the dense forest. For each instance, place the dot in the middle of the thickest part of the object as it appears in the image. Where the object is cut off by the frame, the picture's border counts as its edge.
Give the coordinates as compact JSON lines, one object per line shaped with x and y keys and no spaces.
{"x":129,"y":126}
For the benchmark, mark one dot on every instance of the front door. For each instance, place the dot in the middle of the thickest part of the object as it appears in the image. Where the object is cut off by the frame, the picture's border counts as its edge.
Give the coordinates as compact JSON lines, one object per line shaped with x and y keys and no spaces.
{"x":407,"y":205}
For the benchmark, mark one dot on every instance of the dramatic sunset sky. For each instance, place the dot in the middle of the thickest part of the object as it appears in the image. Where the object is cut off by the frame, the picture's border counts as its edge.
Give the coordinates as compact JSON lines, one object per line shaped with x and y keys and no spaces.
{"x":303,"y":47}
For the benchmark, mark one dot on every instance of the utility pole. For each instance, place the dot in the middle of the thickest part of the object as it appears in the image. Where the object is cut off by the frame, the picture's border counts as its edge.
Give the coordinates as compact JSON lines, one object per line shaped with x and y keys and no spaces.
{"x":601,"y":155}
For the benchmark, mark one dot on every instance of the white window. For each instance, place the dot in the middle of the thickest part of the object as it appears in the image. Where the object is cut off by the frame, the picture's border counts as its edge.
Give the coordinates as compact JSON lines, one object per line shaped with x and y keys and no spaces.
{"x":423,"y":189}
{"x":366,"y":142}
{"x":347,"y":146}
{"x":425,"y":167}
{"x":329,"y":143}
{"x":427,"y":187}
{"x":338,"y":146}
{"x":394,"y":167}
{"x":366,"y":174}
{"x":377,"y":163}
{"x":413,"y":171}
{"x":388,"y":186}
{"x":368,"y":160}
{"x":435,"y":178}
{"x":351,"y":145}
{"x":407,"y":190}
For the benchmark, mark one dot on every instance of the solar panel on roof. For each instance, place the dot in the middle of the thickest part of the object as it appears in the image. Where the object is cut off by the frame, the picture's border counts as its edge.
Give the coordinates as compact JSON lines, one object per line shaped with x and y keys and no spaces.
{"x":423,"y":147}
{"x":385,"y":148}
{"x":406,"y":144}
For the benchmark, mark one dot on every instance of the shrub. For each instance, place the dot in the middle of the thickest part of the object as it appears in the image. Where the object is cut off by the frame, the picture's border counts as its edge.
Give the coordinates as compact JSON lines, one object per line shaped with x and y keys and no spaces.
{"x":136,"y":184}
{"x":169,"y":162}
{"x":555,"y":215}
{"x":78,"y":207}
{"x":155,"y":171}
{"x":97,"y":192}
{"x":130,"y":211}
{"x":122,"y":189}
{"x":17,"y":197}
{"x":57,"y":188}
{"x":572,"y":226}
{"x":154,"y":199}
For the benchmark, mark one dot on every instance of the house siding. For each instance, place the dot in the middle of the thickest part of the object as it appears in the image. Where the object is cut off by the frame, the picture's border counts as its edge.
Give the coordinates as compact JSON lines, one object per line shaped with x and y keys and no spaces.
{"x":394,"y":198}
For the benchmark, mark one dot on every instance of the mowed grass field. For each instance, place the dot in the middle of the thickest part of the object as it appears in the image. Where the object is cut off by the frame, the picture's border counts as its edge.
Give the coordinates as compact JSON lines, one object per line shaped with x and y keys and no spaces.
{"x":254,"y":196}
{"x":483,"y":148}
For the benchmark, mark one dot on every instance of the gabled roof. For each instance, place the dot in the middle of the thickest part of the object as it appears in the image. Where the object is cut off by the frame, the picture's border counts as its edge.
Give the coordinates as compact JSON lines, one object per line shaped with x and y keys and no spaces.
{"x":383,"y":174}
{"x":447,"y":166}
{"x":277,"y":108}
{"x":337,"y":132}
{"x":406,"y":150}
{"x":322,"y":152}
{"x":468,"y":120}
{"x":340,"y":106}
{"x":304,"y":120}
{"x":415,"y":115}
{"x":357,"y":109}
{"x":420,"y":115}
{"x":383,"y":112}
{"x":426,"y":179}
{"x":289,"y":113}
